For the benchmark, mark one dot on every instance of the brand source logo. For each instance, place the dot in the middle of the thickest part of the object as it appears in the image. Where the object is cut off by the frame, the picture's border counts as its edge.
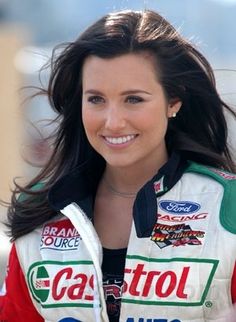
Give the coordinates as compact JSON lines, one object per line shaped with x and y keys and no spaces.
{"x":179,"y":207}
{"x":60,"y":235}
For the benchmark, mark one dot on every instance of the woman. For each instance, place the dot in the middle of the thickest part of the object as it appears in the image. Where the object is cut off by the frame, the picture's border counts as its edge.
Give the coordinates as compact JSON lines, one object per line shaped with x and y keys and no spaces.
{"x":132,"y":219}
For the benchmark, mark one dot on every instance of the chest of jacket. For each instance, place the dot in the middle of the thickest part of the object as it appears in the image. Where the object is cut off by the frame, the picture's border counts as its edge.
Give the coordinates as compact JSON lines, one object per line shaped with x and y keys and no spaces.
{"x":176,"y":274}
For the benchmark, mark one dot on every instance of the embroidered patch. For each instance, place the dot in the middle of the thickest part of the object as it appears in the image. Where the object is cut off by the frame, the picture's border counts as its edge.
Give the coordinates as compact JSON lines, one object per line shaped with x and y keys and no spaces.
{"x":163,"y":281}
{"x":60,"y":235}
{"x":54,"y":283}
{"x":175,"y":235}
{"x":182,"y":217}
{"x":179,"y":207}
{"x":147,"y":281}
{"x":225,"y":175}
{"x":159,"y":185}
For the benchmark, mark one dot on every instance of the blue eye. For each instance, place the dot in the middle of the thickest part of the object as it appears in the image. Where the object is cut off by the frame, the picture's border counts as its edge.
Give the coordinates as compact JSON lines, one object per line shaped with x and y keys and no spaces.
{"x":95,"y":99}
{"x":134,"y":99}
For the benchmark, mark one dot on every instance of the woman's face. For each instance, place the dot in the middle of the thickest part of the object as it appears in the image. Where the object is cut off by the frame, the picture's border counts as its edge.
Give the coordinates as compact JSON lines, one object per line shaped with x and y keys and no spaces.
{"x":124,"y":109}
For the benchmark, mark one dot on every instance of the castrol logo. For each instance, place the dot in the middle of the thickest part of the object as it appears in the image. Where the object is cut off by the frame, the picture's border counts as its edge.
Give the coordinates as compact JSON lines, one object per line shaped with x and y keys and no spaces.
{"x":167,"y":281}
{"x":54,"y":283}
{"x":146,"y":281}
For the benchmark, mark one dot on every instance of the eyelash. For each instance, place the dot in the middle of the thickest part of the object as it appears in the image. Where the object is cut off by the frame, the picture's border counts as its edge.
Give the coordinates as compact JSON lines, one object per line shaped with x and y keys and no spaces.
{"x":134,"y":99}
{"x":130,"y":99}
{"x":95,"y":99}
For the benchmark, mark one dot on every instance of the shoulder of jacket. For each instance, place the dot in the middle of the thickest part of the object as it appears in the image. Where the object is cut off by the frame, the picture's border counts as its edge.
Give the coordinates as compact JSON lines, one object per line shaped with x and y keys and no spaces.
{"x":222,"y":176}
{"x":228,"y":181}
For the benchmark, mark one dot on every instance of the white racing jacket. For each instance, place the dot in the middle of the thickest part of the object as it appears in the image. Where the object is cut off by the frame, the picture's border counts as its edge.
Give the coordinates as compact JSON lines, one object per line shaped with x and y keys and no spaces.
{"x":181,"y":272}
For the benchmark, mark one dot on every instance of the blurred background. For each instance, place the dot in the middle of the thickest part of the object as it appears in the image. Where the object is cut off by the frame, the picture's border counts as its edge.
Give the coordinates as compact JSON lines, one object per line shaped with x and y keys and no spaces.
{"x":29,"y":29}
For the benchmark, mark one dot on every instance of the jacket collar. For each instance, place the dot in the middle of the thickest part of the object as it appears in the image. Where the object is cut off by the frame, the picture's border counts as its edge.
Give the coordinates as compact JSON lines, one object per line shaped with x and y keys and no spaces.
{"x":145,"y":206}
{"x":80,"y":187}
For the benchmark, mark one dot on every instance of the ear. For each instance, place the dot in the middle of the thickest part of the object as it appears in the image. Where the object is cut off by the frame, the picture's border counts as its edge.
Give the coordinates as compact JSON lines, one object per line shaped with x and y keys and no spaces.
{"x":174,"y":106}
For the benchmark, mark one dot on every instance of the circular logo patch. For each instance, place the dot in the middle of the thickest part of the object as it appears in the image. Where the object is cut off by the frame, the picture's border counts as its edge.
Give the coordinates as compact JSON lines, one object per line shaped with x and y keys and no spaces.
{"x":39,"y":283}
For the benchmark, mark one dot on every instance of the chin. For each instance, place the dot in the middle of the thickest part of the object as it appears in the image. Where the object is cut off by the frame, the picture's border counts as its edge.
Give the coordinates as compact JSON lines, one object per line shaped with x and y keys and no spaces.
{"x":118,"y":163}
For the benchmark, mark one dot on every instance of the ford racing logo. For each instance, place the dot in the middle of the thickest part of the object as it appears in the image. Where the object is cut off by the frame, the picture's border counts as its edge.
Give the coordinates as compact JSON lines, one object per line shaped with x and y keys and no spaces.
{"x":179,"y":207}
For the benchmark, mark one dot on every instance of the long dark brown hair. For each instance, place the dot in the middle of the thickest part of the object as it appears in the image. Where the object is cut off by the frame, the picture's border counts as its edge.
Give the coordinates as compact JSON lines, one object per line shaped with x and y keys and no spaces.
{"x":199,"y":132}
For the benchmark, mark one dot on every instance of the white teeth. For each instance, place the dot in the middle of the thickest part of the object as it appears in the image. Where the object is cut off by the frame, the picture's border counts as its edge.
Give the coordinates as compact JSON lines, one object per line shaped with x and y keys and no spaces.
{"x":120,"y":140}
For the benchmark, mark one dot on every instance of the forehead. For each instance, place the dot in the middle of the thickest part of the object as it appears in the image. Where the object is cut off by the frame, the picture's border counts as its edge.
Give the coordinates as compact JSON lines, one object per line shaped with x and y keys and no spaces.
{"x":128,"y":67}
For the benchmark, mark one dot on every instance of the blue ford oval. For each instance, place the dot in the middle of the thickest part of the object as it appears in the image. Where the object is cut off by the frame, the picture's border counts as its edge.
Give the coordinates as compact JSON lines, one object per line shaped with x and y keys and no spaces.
{"x":179,"y":207}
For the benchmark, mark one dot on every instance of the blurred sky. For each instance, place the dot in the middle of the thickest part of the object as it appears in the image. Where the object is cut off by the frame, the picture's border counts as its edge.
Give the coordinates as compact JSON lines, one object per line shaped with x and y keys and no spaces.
{"x":212,"y":23}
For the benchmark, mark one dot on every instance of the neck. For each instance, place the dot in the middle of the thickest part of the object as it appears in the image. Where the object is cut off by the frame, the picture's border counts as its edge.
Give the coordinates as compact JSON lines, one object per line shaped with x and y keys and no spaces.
{"x":118,"y":193}
{"x":129,"y":180}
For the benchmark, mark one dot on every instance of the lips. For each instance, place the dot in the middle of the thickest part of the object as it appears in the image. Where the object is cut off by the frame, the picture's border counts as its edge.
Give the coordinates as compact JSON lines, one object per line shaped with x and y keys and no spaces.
{"x":120,"y":139}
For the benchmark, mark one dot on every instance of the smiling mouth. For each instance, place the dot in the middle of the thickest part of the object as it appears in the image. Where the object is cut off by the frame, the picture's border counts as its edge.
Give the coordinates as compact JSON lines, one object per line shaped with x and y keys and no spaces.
{"x":120,"y":139}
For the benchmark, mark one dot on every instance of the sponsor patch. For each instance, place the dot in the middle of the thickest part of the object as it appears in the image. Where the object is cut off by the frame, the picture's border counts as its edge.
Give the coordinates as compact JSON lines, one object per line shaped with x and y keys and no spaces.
{"x":159,"y":186}
{"x":56,"y":284}
{"x":60,"y":235}
{"x":225,"y":175}
{"x":175,"y":235}
{"x":182,"y":217}
{"x":148,"y":281}
{"x":179,"y":207}
{"x":153,"y":281}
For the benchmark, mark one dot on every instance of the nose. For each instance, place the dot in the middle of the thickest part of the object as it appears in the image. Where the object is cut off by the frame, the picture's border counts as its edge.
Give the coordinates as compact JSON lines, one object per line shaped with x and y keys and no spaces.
{"x":115,"y":118}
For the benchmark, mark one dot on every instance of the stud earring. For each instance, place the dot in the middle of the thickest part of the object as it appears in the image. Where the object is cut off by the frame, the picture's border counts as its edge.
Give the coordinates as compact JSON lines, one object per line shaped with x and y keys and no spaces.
{"x":174,"y":114}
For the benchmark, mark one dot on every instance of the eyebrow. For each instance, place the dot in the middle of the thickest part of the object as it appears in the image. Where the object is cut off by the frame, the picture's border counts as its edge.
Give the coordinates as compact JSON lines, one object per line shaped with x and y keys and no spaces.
{"x":133,"y":91}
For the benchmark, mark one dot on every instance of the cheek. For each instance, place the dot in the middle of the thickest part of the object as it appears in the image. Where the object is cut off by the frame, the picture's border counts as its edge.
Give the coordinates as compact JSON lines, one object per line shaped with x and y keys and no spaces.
{"x":91,"y":121}
{"x":89,"y":126}
{"x":156,"y":122}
